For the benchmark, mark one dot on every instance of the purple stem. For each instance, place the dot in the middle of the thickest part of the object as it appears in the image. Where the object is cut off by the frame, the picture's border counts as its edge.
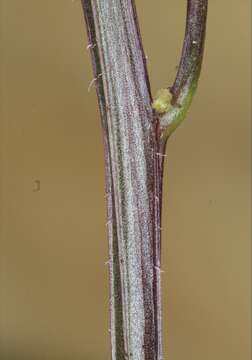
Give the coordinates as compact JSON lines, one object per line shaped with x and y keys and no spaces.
{"x":134,"y":158}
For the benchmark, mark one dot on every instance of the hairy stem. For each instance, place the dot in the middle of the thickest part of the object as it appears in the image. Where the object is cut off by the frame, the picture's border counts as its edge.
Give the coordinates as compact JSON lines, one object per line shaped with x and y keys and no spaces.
{"x":130,"y":142}
{"x":134,"y":144}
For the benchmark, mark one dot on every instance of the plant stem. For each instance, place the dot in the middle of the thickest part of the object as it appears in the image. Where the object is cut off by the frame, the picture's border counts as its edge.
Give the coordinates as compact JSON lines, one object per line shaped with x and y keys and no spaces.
{"x":187,"y":77}
{"x":134,"y":145}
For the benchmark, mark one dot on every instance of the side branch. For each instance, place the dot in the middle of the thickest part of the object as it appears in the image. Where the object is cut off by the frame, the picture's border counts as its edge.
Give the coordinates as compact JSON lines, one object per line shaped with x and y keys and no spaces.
{"x":189,"y":69}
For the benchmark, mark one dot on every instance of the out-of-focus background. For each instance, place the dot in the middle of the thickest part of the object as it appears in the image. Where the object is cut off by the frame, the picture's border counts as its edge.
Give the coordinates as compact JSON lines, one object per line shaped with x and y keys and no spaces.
{"x":53,"y":247}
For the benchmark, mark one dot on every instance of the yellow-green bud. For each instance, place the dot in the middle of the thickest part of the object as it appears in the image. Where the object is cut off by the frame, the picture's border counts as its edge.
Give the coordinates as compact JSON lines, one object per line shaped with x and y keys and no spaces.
{"x":162,"y":102}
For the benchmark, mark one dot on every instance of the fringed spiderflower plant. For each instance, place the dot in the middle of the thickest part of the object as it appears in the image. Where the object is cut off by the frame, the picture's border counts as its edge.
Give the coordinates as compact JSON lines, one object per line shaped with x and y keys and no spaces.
{"x":135,"y":131}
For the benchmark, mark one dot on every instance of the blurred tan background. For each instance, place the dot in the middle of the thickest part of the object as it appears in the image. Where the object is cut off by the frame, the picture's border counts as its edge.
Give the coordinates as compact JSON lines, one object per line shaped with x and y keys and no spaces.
{"x":53,"y":281}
